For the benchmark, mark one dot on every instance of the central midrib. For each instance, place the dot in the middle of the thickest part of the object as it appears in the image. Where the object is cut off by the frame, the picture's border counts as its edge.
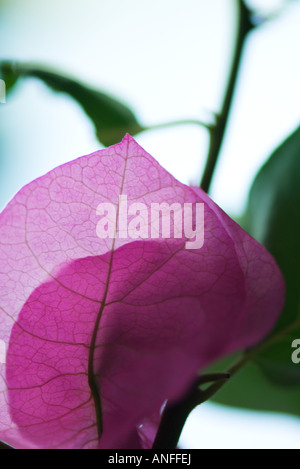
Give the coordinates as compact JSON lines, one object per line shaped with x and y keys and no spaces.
{"x":91,"y":375}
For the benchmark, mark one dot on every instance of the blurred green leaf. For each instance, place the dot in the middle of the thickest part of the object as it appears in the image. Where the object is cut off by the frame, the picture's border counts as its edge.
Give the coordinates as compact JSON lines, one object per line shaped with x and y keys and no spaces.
{"x":272,"y":380}
{"x":251,"y":389}
{"x":111,"y":118}
{"x":274,"y":220}
{"x":7,"y":75}
{"x":273,"y":217}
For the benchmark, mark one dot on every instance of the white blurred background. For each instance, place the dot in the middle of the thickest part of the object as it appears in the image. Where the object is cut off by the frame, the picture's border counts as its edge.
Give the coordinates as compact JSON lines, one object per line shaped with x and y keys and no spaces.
{"x":168,"y":60}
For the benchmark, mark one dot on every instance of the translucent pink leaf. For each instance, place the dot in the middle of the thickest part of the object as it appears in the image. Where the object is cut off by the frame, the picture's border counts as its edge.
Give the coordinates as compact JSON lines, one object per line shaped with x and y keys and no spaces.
{"x":99,"y":333}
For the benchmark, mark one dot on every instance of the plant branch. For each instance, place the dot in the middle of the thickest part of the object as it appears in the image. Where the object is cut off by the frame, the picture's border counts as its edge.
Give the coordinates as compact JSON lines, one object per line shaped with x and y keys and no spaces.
{"x":174,"y":416}
{"x":163,"y":125}
{"x":217,"y":133}
{"x":250,"y":355}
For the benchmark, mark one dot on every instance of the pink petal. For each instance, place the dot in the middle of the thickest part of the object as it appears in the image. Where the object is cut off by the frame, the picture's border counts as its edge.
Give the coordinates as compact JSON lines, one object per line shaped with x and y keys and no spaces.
{"x":164,"y":311}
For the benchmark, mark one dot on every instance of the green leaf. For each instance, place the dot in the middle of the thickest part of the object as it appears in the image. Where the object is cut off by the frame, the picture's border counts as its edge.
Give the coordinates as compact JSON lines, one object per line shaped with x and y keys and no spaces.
{"x":272,"y":381}
{"x":111,"y":118}
{"x":8,"y":76}
{"x":274,"y":220}
{"x":274,"y":217}
{"x":251,"y":389}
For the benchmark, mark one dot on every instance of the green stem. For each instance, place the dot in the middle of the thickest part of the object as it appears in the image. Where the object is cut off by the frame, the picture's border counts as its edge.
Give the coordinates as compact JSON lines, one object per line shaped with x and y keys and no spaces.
{"x":175,"y":415}
{"x":250,"y":355}
{"x":163,"y":125}
{"x":217,"y":133}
